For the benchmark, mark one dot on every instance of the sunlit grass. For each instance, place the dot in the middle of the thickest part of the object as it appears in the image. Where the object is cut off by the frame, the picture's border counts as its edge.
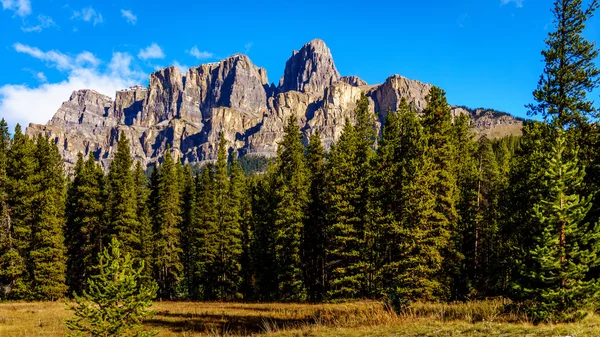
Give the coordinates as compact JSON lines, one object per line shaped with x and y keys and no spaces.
{"x":367,"y":318}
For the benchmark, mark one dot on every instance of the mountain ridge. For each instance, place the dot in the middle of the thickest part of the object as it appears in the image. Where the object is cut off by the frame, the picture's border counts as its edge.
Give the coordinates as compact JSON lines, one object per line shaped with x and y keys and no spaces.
{"x":188,"y":110}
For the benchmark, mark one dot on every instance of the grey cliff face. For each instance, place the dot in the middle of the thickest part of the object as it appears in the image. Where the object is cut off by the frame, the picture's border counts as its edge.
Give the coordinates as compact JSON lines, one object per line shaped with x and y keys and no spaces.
{"x":311,"y":69}
{"x":189,"y":111}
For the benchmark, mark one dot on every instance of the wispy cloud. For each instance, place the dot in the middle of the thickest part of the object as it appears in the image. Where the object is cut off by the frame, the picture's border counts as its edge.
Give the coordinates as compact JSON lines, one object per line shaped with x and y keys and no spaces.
{"x":182,"y":67}
{"x":129,"y":16}
{"x":201,"y":55}
{"x":21,"y":8}
{"x":518,"y":3}
{"x":248,"y":46}
{"x":84,"y":71}
{"x":461,"y":20}
{"x":43,"y":23}
{"x":153,"y":51}
{"x":88,"y":14}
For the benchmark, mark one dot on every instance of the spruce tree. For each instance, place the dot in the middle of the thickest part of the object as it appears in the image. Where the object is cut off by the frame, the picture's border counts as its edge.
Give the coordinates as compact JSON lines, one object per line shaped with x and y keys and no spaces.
{"x":228,"y":236}
{"x":116,"y":300}
{"x":12,"y":265}
{"x":441,"y":149}
{"x":85,"y":222}
{"x":566,"y":248}
{"x":569,"y":73}
{"x":144,"y":218}
{"x":121,"y":204}
{"x":314,"y":242}
{"x":187,"y":229}
{"x":291,"y":195}
{"x":167,"y":215}
{"x":47,"y":251}
{"x":412,"y":239}
{"x":239,"y":207}
{"x":21,"y":190}
{"x":350,"y":235}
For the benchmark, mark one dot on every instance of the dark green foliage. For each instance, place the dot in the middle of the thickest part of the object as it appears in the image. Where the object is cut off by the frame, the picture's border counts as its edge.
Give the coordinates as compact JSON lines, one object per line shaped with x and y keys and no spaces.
{"x":252,"y":164}
{"x":85,"y":223}
{"x":566,"y":248}
{"x":47,"y":252}
{"x":291,"y":200}
{"x":116,"y":301}
{"x":12,"y":265}
{"x":144,"y":218}
{"x":167,"y":219}
{"x":349,"y":252}
{"x":187,"y":230}
{"x":569,"y":73}
{"x":314,"y":239}
{"x":121,"y":206}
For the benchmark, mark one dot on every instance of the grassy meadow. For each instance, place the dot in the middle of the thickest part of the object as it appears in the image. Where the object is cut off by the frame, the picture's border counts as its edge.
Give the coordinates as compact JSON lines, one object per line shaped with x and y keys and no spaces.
{"x":485,"y":318}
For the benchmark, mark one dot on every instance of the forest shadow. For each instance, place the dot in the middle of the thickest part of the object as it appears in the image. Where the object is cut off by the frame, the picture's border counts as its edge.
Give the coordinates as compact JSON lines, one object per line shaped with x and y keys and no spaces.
{"x":224,"y":323}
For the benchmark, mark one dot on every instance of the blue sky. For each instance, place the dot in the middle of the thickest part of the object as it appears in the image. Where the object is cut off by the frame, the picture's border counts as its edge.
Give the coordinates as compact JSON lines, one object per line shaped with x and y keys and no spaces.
{"x":482,"y":52}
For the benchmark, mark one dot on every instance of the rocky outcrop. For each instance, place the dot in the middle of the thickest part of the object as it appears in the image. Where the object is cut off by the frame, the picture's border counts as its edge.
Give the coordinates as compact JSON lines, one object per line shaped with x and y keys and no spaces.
{"x":311,"y":69}
{"x":189,"y":111}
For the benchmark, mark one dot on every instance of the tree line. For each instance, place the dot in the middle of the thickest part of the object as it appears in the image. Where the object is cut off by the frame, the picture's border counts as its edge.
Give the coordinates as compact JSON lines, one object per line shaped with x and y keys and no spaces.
{"x":422,"y":210}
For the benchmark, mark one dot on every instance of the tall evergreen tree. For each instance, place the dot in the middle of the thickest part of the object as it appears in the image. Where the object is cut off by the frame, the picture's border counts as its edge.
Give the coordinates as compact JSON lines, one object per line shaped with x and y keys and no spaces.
{"x":239,"y":208}
{"x":47,"y":252}
{"x":187,"y":229}
{"x":437,"y":122}
{"x":314,"y":229}
{"x":205,"y":229}
{"x":12,"y":265}
{"x":167,"y":215}
{"x":121,"y":200}
{"x":291,"y":195}
{"x":144,"y":218}
{"x":412,"y":240}
{"x":566,"y":248}
{"x":84,"y":228}
{"x":569,"y":73}
{"x":350,"y":257}
{"x":228,"y":236}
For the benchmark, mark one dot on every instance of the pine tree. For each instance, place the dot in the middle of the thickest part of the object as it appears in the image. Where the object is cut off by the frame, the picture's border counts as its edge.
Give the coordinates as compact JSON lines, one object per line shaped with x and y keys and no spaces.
{"x":12,"y":265}
{"x":47,"y":252}
{"x":314,"y":230}
{"x":566,"y":248}
{"x":116,"y":301}
{"x":239,"y":208}
{"x":21,"y":190}
{"x":228,"y":236}
{"x":205,"y":229}
{"x":84,"y":229}
{"x":569,"y":73}
{"x":167,"y":215}
{"x":437,"y":122}
{"x":187,"y":230}
{"x":143,"y":216}
{"x":263,"y":205}
{"x":291,"y":195}
{"x":412,"y":240}
{"x":350,"y":253}
{"x":121,"y":200}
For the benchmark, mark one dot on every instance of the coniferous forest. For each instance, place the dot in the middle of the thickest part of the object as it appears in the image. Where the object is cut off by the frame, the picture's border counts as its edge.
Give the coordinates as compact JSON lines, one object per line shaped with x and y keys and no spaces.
{"x":417,"y":209}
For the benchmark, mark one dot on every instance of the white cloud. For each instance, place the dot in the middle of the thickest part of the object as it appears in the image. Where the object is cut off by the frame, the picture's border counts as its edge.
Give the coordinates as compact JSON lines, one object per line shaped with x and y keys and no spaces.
{"x":518,"y":3}
{"x":21,"y":8}
{"x":26,"y":104}
{"x":41,"y":77}
{"x":195,"y":52}
{"x":248,"y":46}
{"x":182,"y":67}
{"x":88,"y":14}
{"x":43,"y":23}
{"x":153,"y":51}
{"x":129,"y":16}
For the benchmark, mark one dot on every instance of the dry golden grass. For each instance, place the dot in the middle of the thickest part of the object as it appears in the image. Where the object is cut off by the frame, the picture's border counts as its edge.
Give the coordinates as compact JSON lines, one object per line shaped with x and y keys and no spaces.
{"x":483,"y":318}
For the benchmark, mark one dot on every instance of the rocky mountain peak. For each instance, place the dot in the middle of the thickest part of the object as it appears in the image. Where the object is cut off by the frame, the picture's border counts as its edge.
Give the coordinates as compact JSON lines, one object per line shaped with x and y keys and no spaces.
{"x":311,"y":69}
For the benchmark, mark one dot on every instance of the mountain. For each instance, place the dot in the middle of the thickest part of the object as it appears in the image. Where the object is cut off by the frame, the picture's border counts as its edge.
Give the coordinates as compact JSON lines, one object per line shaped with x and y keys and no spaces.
{"x":188,"y":111}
